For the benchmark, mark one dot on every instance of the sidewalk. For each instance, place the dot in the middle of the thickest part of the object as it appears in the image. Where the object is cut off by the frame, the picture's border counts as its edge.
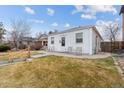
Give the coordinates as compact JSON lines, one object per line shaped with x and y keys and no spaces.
{"x":5,"y":63}
{"x":44,"y":54}
{"x":119,"y":62}
{"x":95,"y":56}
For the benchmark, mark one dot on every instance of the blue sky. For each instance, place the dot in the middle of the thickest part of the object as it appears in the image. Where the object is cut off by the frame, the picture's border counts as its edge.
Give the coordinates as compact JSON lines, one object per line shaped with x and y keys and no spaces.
{"x":60,"y":17}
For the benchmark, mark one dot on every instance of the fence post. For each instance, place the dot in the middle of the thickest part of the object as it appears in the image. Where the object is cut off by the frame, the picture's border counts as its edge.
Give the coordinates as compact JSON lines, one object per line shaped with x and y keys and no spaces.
{"x":29,"y":54}
{"x":24,"y":52}
{"x":10,"y":57}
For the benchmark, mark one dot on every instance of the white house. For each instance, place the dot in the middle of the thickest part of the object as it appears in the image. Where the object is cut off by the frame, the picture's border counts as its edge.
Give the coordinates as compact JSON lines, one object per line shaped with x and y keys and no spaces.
{"x":79,"y":40}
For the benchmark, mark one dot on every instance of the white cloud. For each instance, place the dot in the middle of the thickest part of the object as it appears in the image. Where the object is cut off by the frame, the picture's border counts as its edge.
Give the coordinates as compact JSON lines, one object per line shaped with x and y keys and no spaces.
{"x":37,"y":21}
{"x":101,"y":8}
{"x":117,"y":19}
{"x":67,"y":25}
{"x":103,"y":23}
{"x":55,"y":24}
{"x":88,"y":16}
{"x":50,"y":11}
{"x":29,"y":10}
{"x":90,"y":11}
{"x":93,"y":9}
{"x":78,"y":8}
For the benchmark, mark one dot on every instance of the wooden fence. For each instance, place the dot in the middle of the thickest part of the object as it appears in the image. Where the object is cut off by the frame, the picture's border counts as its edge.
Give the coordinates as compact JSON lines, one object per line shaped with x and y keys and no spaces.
{"x":112,"y":46}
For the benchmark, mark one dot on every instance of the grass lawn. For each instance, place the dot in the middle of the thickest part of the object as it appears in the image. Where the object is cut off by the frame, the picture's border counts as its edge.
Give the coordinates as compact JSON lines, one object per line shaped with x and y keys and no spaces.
{"x":54,"y":71}
{"x":17,"y":54}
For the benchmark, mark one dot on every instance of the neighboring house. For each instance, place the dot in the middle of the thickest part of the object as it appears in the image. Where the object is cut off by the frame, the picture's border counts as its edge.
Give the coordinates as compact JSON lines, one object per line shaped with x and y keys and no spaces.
{"x":23,"y":43}
{"x":42,"y":41}
{"x":35,"y":43}
{"x":27,"y":41}
{"x":79,"y":40}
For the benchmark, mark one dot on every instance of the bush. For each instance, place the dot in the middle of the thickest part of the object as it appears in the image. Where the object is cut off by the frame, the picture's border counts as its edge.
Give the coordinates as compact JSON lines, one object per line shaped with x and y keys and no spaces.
{"x":4,"y":48}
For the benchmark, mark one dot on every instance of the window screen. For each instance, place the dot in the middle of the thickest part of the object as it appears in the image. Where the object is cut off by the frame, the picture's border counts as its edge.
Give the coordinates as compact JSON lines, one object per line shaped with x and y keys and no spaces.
{"x":79,"y":37}
{"x":52,"y":40}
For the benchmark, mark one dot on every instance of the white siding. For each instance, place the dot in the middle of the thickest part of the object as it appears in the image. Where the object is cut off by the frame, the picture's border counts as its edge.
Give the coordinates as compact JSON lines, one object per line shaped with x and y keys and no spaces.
{"x":87,"y":46}
{"x":95,"y":43}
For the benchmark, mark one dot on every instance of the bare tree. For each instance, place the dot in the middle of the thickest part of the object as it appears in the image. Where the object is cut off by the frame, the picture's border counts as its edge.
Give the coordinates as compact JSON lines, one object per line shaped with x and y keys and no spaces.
{"x":38,"y":34}
{"x":2,"y":31}
{"x":111,"y":31}
{"x":20,"y":29}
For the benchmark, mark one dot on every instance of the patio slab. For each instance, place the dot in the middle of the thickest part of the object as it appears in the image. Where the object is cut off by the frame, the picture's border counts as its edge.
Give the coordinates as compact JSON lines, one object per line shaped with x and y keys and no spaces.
{"x":95,"y":56}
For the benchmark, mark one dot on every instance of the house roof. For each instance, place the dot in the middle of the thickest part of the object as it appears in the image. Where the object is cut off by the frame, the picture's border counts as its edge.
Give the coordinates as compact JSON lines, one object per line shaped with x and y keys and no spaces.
{"x":78,"y":28}
{"x":95,"y":29}
{"x":122,"y":9}
{"x":42,"y":36}
{"x":28,"y":39}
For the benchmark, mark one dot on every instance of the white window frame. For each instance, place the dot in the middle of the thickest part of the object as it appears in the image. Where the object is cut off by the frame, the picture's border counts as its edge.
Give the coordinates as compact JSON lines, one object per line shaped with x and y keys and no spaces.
{"x":79,"y":38}
{"x":52,"y":40}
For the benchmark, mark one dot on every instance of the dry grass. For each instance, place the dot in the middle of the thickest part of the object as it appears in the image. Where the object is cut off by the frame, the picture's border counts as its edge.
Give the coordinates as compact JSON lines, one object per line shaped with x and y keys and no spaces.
{"x":54,"y":71}
{"x":17,"y":54}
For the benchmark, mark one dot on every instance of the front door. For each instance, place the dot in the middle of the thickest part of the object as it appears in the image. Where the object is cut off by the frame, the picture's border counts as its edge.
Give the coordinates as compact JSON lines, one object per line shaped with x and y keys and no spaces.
{"x":96,"y":48}
{"x":63,"y":44}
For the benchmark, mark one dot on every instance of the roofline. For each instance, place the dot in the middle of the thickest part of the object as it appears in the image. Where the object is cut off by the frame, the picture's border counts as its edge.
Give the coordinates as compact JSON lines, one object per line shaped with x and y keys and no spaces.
{"x":43,"y":35}
{"x":71,"y":30}
{"x":95,"y":29}
{"x":78,"y":28}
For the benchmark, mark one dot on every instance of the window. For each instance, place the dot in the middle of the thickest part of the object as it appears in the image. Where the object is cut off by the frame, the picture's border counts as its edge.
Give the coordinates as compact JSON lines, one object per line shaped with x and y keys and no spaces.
{"x":52,"y":40}
{"x":96,"y":40}
{"x":79,"y":37}
{"x":63,"y":41}
{"x":44,"y":43}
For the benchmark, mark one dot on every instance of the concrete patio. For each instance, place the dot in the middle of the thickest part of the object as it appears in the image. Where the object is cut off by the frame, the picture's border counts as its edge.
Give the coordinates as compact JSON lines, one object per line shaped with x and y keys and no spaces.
{"x":95,"y":56}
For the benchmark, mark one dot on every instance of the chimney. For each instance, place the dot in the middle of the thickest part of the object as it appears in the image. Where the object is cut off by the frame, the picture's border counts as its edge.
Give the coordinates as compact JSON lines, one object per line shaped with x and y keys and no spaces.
{"x":122,"y":12}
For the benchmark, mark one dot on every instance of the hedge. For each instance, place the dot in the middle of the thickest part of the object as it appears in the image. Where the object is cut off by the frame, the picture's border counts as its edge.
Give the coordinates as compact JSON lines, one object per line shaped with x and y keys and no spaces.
{"x":4,"y":48}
